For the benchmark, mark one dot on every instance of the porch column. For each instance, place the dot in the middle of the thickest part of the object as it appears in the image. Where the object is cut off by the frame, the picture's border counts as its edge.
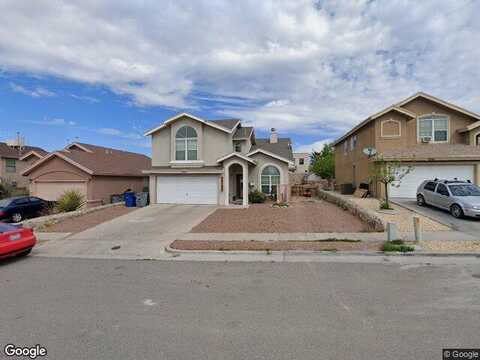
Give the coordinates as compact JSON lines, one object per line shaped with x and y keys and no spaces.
{"x":226,"y":185}
{"x":476,"y":172}
{"x":245,"y":184}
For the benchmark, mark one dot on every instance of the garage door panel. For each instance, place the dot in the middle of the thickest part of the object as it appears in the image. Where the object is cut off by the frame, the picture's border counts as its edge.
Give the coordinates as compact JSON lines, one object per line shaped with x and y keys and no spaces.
{"x":188,"y":189}
{"x":51,"y":191}
{"x":409,"y":184}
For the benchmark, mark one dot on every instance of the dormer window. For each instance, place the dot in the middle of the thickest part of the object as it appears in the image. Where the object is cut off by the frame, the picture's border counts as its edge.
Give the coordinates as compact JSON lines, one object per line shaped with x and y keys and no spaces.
{"x":186,"y":144}
{"x":433,"y":127}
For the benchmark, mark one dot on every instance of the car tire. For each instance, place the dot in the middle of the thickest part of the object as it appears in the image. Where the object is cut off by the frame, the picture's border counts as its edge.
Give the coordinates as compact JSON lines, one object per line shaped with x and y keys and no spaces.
{"x":16,"y":217}
{"x":456,"y":211}
{"x":421,"y":200}
{"x":25,"y":253}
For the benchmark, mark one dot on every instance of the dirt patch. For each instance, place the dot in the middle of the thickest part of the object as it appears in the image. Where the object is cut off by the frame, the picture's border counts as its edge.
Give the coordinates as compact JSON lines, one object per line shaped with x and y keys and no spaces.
{"x":277,"y":245}
{"x":84,"y":222}
{"x":304,"y":217}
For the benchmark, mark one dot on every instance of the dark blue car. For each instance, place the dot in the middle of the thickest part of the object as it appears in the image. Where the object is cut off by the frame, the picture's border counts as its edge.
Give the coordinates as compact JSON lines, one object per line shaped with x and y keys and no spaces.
{"x":20,"y":207}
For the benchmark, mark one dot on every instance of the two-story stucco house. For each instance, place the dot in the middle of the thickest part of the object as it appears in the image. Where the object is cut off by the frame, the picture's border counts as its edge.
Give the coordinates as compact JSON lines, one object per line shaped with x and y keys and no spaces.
{"x":198,"y":161}
{"x":14,"y":159}
{"x":438,"y":139}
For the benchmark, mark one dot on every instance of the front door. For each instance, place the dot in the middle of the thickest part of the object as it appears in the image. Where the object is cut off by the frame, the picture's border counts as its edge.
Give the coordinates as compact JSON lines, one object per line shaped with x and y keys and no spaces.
{"x":239,"y":186}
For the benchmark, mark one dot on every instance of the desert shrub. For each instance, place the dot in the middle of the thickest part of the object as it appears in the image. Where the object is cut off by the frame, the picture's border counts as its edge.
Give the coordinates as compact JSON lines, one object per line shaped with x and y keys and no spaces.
{"x":385,"y":206}
{"x":256,"y":197}
{"x":71,"y":200}
{"x":397,"y":245}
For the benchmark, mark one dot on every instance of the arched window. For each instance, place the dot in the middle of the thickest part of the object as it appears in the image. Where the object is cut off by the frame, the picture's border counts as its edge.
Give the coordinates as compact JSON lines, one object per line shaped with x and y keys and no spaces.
{"x":186,"y":144}
{"x":270,"y":180}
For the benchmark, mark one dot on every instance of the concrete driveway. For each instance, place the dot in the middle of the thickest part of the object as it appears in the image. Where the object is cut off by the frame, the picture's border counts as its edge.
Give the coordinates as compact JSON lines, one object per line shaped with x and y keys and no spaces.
{"x":143,"y":233}
{"x":469,"y":226}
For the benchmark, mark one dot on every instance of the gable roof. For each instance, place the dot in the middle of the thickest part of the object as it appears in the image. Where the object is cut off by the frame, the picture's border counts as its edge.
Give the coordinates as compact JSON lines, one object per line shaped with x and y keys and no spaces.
{"x":8,"y":151}
{"x":38,"y":153}
{"x":243,"y":132}
{"x":281,"y":149}
{"x":236,"y":154}
{"x":227,"y":125}
{"x":99,"y":160}
{"x":398,"y":107}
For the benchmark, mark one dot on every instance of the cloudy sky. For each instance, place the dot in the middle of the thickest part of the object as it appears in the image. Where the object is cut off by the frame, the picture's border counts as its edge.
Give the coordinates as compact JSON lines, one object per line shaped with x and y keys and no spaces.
{"x":106,"y":71}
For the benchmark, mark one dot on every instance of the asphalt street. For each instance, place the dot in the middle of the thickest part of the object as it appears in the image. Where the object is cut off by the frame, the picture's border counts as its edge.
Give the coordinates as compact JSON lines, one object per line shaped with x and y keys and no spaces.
{"x":121,"y":309}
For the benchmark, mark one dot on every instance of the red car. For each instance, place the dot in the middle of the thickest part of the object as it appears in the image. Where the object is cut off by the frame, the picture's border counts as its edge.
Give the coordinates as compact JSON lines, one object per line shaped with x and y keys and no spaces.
{"x":15,"y":240}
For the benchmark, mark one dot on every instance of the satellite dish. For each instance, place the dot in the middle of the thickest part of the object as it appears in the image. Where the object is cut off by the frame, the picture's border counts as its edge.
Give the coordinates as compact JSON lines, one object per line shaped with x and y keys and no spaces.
{"x":369,"y":151}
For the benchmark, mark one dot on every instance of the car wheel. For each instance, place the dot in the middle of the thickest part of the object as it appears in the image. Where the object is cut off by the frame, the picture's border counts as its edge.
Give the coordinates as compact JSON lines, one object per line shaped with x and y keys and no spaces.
{"x":17,"y":217}
{"x":456,"y":211}
{"x":421,"y":200}
{"x":25,"y":253}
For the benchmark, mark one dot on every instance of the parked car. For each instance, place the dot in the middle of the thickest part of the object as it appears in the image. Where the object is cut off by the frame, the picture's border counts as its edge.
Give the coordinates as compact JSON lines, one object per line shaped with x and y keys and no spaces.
{"x":15,"y":240}
{"x":20,"y":207}
{"x":461,"y":198}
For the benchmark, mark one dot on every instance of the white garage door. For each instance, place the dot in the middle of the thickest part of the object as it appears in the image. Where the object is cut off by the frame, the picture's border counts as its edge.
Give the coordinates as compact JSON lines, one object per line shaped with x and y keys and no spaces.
{"x":411,"y":181}
{"x":53,"y":190}
{"x":187,"y":189}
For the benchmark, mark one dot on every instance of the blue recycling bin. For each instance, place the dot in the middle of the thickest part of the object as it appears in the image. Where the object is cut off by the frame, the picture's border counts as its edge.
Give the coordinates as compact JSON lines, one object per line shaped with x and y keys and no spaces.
{"x":130,"y":199}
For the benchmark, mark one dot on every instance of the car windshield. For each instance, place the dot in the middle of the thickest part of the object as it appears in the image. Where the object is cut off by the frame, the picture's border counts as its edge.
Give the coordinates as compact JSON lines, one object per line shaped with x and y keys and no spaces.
{"x":465,"y":190}
{"x":5,"y":202}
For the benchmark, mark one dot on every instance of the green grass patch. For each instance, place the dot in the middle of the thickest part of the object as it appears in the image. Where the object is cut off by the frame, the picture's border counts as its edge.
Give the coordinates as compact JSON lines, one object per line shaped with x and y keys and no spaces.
{"x":397,"y":246}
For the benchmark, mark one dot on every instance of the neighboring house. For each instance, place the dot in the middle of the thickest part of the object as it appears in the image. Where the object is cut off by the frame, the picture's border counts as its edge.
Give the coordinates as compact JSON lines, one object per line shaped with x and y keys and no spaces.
{"x":197,"y":161}
{"x":302,"y":163}
{"x":439,"y":139}
{"x":96,"y":172}
{"x":14,"y":159}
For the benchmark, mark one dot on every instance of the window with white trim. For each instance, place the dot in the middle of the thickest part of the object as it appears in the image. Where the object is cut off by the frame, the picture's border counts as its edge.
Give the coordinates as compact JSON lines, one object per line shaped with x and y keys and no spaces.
{"x":10,"y":165}
{"x":186,"y":144}
{"x":434,"y":127}
{"x":270,"y":180}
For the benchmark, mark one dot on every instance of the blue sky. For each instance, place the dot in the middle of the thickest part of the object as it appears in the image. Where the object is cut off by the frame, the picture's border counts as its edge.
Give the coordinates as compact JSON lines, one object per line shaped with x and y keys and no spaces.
{"x":104,"y":72}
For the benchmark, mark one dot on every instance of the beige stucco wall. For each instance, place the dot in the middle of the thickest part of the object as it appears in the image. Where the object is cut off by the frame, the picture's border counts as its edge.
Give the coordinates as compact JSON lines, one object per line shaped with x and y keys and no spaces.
{"x":16,"y":176}
{"x":262,"y":161}
{"x":212,"y":143}
{"x":99,"y":188}
{"x":301,"y":169}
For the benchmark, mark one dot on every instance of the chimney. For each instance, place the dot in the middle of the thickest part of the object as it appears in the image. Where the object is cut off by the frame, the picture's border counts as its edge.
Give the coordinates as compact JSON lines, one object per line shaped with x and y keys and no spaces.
{"x":273,"y":136}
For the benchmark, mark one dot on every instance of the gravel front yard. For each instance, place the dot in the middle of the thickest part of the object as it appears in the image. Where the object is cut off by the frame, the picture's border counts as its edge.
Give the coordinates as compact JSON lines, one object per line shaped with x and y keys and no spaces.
{"x":303,"y":216}
{"x":402,"y":217}
{"x":451,"y":246}
{"x":84,"y":222}
{"x":277,"y":245}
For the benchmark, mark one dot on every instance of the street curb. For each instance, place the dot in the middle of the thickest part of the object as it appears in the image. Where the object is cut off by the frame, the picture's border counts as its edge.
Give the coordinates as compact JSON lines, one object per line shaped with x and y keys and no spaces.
{"x":171,"y":250}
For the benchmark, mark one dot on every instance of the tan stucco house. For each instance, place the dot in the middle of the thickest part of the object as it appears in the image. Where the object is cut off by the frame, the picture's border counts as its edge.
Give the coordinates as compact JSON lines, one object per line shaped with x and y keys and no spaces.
{"x":302,"y":163}
{"x":437,"y":138}
{"x":96,"y":172}
{"x":198,"y":161}
{"x":16,"y":158}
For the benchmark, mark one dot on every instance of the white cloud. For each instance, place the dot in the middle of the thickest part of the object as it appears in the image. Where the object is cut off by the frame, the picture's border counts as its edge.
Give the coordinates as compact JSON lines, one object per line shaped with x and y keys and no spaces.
{"x":85,"y":98}
{"x":36,"y":93}
{"x":55,"y":122}
{"x":300,"y":66}
{"x":316,"y":146}
{"x":119,"y":133}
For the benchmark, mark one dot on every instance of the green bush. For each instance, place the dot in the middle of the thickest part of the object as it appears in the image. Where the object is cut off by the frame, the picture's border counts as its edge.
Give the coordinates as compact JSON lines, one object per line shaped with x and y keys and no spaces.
{"x":397,"y":245}
{"x":256,"y":197}
{"x":71,"y":200}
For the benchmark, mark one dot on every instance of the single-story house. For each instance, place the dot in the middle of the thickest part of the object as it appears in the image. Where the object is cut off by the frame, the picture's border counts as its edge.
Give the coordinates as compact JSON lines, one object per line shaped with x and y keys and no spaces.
{"x":96,"y":172}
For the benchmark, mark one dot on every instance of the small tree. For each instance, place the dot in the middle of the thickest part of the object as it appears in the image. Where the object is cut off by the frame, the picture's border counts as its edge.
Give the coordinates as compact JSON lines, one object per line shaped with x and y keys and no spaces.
{"x":388,"y":173}
{"x":323,"y":163}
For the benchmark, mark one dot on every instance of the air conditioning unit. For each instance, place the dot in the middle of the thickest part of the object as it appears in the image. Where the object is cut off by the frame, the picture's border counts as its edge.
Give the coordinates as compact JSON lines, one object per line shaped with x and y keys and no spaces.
{"x":426,"y":139}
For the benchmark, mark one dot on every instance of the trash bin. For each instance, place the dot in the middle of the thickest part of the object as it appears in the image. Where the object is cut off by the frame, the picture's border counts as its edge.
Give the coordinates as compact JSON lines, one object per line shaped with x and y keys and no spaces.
{"x":130,"y":199}
{"x":142,"y":199}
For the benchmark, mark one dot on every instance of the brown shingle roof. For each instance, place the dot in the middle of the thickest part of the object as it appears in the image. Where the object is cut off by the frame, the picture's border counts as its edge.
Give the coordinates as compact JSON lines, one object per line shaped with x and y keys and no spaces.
{"x":281,"y":148}
{"x":433,"y":152}
{"x":11,"y":152}
{"x":106,"y":161}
